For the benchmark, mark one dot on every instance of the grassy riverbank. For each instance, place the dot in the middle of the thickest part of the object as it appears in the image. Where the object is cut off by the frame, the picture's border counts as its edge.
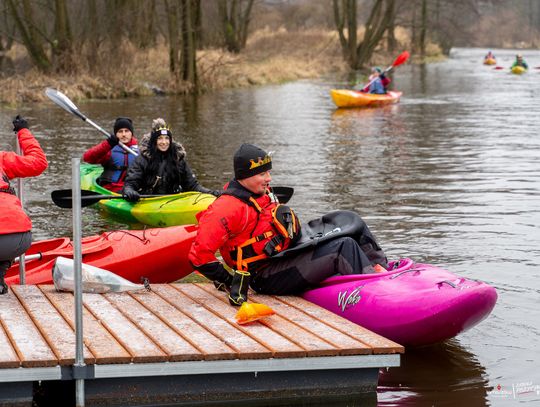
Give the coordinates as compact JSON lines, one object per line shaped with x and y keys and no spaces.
{"x":270,"y":57}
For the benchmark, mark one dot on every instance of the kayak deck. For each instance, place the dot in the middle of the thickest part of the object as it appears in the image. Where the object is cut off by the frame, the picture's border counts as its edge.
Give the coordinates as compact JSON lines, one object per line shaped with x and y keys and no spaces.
{"x":169,"y":210}
{"x":518,"y":70}
{"x":352,"y":98}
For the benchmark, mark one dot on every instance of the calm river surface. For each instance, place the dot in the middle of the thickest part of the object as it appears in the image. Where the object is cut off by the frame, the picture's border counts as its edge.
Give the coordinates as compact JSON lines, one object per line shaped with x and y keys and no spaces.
{"x":449,"y":176}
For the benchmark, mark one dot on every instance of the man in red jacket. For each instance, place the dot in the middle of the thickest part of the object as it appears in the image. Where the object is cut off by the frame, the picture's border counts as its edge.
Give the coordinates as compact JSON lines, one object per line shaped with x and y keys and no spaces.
{"x":15,"y":225}
{"x":114,"y":159}
{"x":250,"y":228}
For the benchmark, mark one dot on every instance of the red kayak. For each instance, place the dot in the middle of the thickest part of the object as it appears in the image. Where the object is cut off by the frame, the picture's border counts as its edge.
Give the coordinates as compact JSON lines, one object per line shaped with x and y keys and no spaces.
{"x":158,"y":254}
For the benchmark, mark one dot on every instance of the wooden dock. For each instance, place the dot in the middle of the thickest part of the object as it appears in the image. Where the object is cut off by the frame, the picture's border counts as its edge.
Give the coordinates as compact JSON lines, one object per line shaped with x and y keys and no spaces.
{"x":180,"y":343}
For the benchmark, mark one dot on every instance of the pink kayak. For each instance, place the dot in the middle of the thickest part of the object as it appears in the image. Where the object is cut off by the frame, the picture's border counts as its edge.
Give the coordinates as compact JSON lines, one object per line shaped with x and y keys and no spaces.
{"x":413,"y":304}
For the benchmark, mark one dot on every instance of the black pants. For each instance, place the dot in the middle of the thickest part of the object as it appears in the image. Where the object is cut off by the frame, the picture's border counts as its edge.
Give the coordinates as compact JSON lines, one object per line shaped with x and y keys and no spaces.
{"x":11,"y":246}
{"x":296,"y":273}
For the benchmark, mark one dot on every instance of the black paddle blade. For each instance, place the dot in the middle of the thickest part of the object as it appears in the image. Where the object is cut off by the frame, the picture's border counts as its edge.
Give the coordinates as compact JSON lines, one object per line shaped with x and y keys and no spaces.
{"x":283,"y":194}
{"x":63,"y":198}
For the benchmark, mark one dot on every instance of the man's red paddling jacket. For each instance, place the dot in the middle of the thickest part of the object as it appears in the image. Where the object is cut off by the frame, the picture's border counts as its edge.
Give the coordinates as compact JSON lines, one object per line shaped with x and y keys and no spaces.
{"x":227,"y":223}
{"x":13,"y":219}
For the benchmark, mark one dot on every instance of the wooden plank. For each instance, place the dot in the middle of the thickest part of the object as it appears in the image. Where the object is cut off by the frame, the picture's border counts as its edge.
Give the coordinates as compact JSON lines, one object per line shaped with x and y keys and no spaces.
{"x":8,"y":357}
{"x":346,"y":344}
{"x":141,"y":347}
{"x":281,"y":345}
{"x":271,"y":331}
{"x":212,"y":347}
{"x":176,"y":347}
{"x":378,"y":343}
{"x":244,"y":346}
{"x":56,"y":331}
{"x":31,"y":348}
{"x":101,"y":343}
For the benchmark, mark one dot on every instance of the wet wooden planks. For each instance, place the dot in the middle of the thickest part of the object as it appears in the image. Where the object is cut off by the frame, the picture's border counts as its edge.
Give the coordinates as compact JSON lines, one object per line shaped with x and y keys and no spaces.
{"x":173,"y":322}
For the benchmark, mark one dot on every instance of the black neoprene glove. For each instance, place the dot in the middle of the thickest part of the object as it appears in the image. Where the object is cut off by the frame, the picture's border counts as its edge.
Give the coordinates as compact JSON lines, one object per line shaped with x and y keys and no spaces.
{"x":19,"y":123}
{"x":113,"y":140}
{"x":131,"y":195}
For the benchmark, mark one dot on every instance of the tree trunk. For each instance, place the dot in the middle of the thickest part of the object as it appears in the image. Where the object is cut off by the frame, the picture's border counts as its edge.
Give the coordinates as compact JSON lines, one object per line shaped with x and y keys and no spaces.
{"x":346,"y":15}
{"x":30,"y":38}
{"x":174,"y":38}
{"x":235,"y":17}
{"x":391,"y":43}
{"x":63,"y":60}
{"x":376,"y":26}
{"x":423,"y":29}
{"x":188,"y":55}
{"x":380,"y":19}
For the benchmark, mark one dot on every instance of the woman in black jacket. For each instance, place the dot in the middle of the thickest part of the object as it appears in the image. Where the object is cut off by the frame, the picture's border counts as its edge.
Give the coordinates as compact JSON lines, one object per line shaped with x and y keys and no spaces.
{"x":161,"y":167}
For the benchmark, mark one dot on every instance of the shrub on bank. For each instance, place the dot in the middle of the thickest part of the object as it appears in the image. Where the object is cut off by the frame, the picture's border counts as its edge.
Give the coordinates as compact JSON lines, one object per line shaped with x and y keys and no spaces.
{"x":271,"y":56}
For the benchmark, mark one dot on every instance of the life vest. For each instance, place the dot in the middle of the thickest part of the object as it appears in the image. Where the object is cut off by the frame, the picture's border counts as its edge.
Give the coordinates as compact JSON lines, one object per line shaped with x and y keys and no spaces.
{"x":276,"y":228}
{"x":116,"y":169}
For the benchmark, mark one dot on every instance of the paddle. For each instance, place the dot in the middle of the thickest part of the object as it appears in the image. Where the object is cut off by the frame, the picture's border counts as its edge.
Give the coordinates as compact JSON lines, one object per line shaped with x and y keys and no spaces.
{"x":283,"y":194}
{"x":499,"y":67}
{"x":401,"y":59}
{"x":63,"y":197}
{"x":65,"y":103}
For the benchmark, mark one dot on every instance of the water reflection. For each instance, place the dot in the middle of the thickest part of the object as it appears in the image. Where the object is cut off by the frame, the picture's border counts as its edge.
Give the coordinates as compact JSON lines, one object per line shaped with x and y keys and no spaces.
{"x":442,"y":375}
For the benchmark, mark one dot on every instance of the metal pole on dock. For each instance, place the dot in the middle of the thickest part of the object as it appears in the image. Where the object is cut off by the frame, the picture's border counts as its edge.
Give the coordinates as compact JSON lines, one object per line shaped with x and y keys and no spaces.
{"x":77,"y":263}
{"x":22,"y":265}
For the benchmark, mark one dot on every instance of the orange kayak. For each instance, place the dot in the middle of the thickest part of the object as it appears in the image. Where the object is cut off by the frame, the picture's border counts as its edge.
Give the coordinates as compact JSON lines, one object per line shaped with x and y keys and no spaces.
{"x":353,"y":98}
{"x":490,"y":61}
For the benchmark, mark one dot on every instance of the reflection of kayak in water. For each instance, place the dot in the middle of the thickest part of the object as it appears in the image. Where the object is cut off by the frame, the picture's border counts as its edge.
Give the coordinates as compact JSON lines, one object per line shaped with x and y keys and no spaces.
{"x":490,"y":61}
{"x":353,"y":98}
{"x":411,"y":303}
{"x":518,"y":70}
{"x":457,"y":377}
{"x":159,"y":254}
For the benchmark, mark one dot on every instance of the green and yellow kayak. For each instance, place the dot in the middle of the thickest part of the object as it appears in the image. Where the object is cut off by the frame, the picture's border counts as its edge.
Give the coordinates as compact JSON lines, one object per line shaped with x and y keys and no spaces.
{"x":518,"y":70}
{"x":169,"y":210}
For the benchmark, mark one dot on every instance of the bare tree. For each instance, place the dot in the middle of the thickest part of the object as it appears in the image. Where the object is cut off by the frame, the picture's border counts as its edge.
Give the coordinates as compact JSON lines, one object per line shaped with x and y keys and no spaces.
{"x":380,"y":19}
{"x":31,"y":39}
{"x":62,"y":45}
{"x":182,"y":33}
{"x":235,"y":18}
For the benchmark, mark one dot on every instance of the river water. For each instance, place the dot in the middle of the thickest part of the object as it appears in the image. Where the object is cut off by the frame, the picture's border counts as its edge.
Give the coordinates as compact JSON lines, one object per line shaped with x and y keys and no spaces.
{"x":449,"y":176}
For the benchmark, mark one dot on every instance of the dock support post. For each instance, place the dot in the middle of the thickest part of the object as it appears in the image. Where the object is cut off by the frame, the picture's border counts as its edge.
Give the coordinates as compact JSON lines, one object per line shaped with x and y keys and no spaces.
{"x":20,"y":195}
{"x":77,"y":262}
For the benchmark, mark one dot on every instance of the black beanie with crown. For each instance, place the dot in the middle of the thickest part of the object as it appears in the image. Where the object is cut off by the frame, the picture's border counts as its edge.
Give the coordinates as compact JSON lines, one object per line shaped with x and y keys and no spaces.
{"x":250,"y":160}
{"x":160,"y":131}
{"x":123,"y":123}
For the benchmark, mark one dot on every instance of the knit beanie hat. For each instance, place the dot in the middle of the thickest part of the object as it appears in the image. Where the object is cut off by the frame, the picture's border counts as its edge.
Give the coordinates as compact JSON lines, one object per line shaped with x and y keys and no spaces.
{"x":123,"y":123}
{"x":158,"y":131}
{"x":250,"y":160}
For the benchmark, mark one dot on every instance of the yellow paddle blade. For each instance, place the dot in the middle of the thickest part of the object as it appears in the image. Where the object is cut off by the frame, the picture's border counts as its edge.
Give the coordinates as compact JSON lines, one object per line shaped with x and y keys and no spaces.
{"x":250,"y":312}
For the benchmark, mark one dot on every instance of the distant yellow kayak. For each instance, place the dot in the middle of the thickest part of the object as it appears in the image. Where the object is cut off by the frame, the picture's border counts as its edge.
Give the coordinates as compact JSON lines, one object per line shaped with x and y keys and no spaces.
{"x":490,"y":61}
{"x":518,"y":70}
{"x":353,"y":98}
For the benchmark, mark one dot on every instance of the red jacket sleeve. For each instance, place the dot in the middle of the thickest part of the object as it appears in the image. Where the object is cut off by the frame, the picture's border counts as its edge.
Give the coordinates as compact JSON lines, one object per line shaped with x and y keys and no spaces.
{"x":31,"y":163}
{"x":99,"y":154}
{"x":223,"y":219}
